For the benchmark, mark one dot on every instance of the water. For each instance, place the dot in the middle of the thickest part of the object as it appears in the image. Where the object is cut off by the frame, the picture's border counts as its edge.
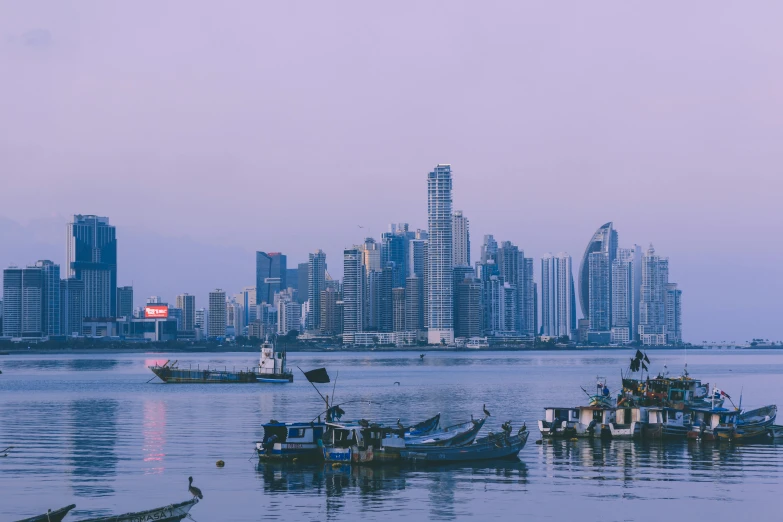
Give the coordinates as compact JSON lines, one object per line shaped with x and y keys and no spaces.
{"x":89,"y":430}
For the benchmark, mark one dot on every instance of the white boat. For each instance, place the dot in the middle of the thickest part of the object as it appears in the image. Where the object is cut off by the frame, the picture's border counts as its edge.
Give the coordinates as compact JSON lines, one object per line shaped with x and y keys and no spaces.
{"x":664,"y":423}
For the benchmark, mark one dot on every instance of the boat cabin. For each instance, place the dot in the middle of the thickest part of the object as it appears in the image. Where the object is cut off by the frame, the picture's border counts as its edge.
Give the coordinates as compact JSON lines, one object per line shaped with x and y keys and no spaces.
{"x":293,"y":433}
{"x":595,"y":415}
{"x":271,"y":362}
{"x":559,"y":415}
{"x":628,"y":415}
{"x":660,"y":415}
{"x":715,"y":417}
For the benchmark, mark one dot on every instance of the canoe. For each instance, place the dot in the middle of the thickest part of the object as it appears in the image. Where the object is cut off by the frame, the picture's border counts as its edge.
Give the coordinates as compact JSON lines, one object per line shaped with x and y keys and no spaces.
{"x":171,"y":513}
{"x":456,"y":435}
{"x":494,"y":446}
{"x":51,"y":516}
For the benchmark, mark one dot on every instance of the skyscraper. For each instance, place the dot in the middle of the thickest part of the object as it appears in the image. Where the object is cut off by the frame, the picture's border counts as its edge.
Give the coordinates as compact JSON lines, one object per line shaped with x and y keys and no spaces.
{"x":394,"y":248}
{"x":527,"y":297}
{"x":459,"y":273}
{"x":270,"y":275}
{"x":187,"y":303}
{"x":622,"y":297}
{"x":289,"y":314}
{"x":382,"y":293}
{"x":673,"y":314}
{"x":247,"y":298}
{"x":71,"y":306}
{"x":331,"y":318}
{"x":469,"y":309}
{"x":604,"y":241}
{"x":489,"y":248}
{"x":652,"y":308}
{"x":202,"y":321}
{"x":440,"y":253}
{"x":217,"y":314}
{"x":92,"y":258}
{"x":50,"y":297}
{"x":508,"y":258}
{"x":460,"y":229}
{"x":22,"y":302}
{"x":398,"y":309}
{"x":353,"y":294}
{"x":125,"y":301}
{"x":416,"y":257}
{"x":301,"y":271}
{"x":557,"y":295}
{"x":316,"y":279}
{"x":414,"y":304}
{"x":599,"y":292}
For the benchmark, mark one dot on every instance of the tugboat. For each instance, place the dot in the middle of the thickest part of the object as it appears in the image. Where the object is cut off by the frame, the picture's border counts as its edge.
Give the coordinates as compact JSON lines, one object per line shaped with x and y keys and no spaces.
{"x":271,"y":369}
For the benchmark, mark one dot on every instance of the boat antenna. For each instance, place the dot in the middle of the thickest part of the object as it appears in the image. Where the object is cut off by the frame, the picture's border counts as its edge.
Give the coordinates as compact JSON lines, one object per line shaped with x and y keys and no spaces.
{"x":347,"y":402}
{"x":740,"y":405}
{"x":335,"y":383}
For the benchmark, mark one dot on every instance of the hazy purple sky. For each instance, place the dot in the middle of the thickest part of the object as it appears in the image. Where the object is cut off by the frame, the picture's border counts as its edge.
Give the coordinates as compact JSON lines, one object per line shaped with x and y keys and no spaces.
{"x":281,"y":126}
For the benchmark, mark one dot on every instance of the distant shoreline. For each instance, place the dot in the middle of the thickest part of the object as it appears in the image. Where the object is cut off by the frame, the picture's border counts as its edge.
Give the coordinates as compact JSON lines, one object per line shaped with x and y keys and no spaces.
{"x":413,"y":349}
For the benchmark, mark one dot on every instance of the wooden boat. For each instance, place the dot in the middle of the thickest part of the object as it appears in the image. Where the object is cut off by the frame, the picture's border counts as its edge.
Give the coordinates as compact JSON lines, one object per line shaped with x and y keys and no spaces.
{"x":491,"y":447}
{"x":456,"y":435}
{"x":732,"y":425}
{"x":171,"y":513}
{"x":303,"y":440}
{"x":666,"y":423}
{"x":775,"y":432}
{"x":51,"y":516}
{"x":271,"y":369}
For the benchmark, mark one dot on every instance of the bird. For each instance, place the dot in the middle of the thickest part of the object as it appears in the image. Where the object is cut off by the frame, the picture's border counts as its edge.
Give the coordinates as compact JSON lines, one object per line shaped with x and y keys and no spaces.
{"x":397,"y":383}
{"x":399,"y":425}
{"x":486,"y":412}
{"x":194,"y":490}
{"x":364,"y":423}
{"x":421,"y":356}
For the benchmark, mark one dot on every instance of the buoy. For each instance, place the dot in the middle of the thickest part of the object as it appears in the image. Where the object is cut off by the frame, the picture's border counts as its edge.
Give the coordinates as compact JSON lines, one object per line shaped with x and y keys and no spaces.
{"x":220,"y":463}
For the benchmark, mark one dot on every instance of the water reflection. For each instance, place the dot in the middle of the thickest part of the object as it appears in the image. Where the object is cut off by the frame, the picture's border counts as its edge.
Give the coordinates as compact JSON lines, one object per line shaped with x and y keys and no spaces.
{"x":154,"y":433}
{"x":93,"y":439}
{"x":74,"y":365}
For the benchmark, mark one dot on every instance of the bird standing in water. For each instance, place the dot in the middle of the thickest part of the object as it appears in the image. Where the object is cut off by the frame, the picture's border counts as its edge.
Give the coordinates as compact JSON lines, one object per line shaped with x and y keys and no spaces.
{"x":193,"y":489}
{"x":486,"y":412}
{"x":421,"y":356}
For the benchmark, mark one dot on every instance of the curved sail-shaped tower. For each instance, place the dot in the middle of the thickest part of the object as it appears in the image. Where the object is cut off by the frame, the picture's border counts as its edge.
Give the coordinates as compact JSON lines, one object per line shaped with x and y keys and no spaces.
{"x":604,"y":240}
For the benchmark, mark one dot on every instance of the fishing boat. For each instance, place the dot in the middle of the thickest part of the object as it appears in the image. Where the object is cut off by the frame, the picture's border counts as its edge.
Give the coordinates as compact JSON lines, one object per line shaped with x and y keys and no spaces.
{"x":354,"y":443}
{"x":170,"y":513}
{"x":492,"y":447}
{"x":456,"y":435}
{"x":732,"y":425}
{"x":51,"y":516}
{"x":271,"y":369}
{"x":303,"y":440}
{"x":666,"y":423}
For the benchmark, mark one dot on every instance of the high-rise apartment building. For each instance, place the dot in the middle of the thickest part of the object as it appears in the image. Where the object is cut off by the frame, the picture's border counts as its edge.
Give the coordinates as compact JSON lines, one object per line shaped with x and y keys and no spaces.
{"x":652,"y":308}
{"x":469,"y":309}
{"x":92,"y":258}
{"x":557,"y":296}
{"x":626,"y":294}
{"x":460,"y":231}
{"x":353,"y":293}
{"x":459,"y":273}
{"x":71,"y":306}
{"x":440,"y":297}
{"x":489,"y":248}
{"x":235,"y":318}
{"x":125,"y":301}
{"x":216,"y":326}
{"x":416,"y":262}
{"x":526,"y":288}
{"x":331,"y":313}
{"x":604,"y":241}
{"x":398,"y":309}
{"x":316,"y":283}
{"x":247,"y":298}
{"x":394,"y":249}
{"x":414,"y":304}
{"x":202,"y":321}
{"x":271,"y":275}
{"x":289,"y":315}
{"x":187,"y":303}
{"x":50,"y":297}
{"x":301,"y":271}
{"x":23,"y":302}
{"x":673,"y":314}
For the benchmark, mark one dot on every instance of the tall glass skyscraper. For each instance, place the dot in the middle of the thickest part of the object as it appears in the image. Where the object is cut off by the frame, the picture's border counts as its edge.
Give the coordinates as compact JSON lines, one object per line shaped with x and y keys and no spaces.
{"x":595,"y":278}
{"x":353,"y":293}
{"x":557,"y":295}
{"x":50,"y":297}
{"x":270,"y":276}
{"x":92,"y":258}
{"x":440,"y":256}
{"x":316,"y":283}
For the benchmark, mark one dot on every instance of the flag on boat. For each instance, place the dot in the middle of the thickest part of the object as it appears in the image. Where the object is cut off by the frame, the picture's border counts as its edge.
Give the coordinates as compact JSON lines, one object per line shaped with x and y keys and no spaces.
{"x":318,"y":375}
{"x":721,"y":393}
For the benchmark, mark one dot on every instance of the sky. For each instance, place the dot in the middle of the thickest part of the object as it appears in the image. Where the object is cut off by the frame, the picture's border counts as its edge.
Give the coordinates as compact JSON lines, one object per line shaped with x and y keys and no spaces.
{"x":208,"y":131}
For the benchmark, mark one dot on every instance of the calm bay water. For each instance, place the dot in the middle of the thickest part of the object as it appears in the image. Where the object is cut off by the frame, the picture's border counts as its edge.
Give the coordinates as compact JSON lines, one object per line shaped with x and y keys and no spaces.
{"x":89,"y":430}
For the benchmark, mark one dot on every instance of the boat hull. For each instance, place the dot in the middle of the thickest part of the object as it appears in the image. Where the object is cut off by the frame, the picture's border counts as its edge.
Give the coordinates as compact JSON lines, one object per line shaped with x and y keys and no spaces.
{"x":52,"y":516}
{"x":190,"y":376}
{"x":665,"y":431}
{"x":488,"y":448}
{"x":171,"y":513}
{"x":285,"y":451}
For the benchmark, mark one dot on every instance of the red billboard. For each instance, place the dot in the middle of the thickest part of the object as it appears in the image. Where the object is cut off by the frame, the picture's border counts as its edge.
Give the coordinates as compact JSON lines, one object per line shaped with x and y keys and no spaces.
{"x":156,"y":312}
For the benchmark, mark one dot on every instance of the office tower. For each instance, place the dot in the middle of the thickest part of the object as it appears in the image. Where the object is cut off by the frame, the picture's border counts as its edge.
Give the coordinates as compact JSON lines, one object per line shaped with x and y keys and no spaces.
{"x":489,"y":248}
{"x":440,"y":256}
{"x":426,"y":284}
{"x":382,"y":284}
{"x":50,"y":297}
{"x":414,"y":304}
{"x":526,"y":289}
{"x":599,"y":292}
{"x":604,"y":241}
{"x":394,"y":249}
{"x":398,"y":309}
{"x":289,"y":315}
{"x":201,"y":321}
{"x":459,"y":273}
{"x":331,"y":320}
{"x":557,"y":295}
{"x":673,"y":314}
{"x":652,"y":308}
{"x":247,"y":298}
{"x":292,"y":278}
{"x":176,"y":314}
{"x":187,"y":303}
{"x":508,"y":258}
{"x":270,"y":275}
{"x":353,"y":294}
{"x":416,"y":257}
{"x":536,"y":330}
{"x":71,"y":306}
{"x":622,"y":297}
{"x":469,"y":310}
{"x":216,"y":325}
{"x":125,"y":301}
{"x":460,"y":231}
{"x":22,"y":302}
{"x":316,"y":278}
{"x":302,"y":295}
{"x":92,"y":258}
